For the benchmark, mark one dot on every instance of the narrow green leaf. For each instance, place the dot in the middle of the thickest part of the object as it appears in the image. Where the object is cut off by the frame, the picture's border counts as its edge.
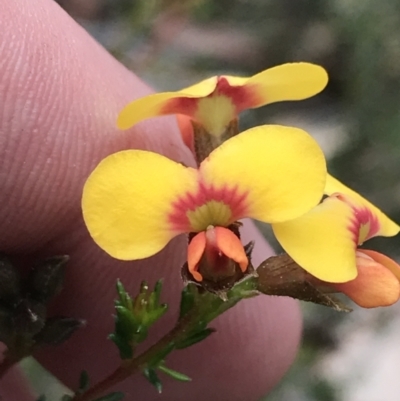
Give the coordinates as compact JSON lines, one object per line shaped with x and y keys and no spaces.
{"x":29,"y":317}
{"x":151,"y":375}
{"x":161,"y":355}
{"x":122,"y":293}
{"x":46,"y":279}
{"x":174,"y":374}
{"x":144,"y":287}
{"x":57,"y":330}
{"x":83,"y":381}
{"x":125,"y":322}
{"x":195,"y":338}
{"x":125,"y":349}
{"x":140,"y":301}
{"x":157,"y":292}
{"x":111,"y":397}
{"x":188,"y":297}
{"x":152,"y":315}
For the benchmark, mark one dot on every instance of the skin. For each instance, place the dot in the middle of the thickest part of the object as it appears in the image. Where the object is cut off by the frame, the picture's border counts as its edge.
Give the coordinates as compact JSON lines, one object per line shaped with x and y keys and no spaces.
{"x":60,"y":93}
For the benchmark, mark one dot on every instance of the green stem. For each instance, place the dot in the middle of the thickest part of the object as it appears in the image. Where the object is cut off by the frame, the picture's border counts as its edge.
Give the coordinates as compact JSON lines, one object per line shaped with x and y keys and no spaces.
{"x":137,"y":364}
{"x":127,"y":368}
{"x":207,"y":308}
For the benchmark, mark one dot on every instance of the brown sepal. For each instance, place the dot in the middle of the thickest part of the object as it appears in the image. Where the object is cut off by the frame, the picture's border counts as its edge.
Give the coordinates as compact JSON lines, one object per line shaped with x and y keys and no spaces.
{"x":280,"y":275}
{"x":205,"y":143}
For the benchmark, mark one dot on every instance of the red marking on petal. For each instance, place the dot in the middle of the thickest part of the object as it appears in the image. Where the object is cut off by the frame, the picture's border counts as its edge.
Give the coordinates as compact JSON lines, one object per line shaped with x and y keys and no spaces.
{"x":243,"y":97}
{"x":180,"y":105}
{"x":366,"y":217}
{"x":231,"y":197}
{"x":363,"y":219}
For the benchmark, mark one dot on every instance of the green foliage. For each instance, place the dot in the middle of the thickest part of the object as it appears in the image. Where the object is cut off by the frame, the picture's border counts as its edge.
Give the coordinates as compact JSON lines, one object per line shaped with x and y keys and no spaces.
{"x":117,"y":396}
{"x":195,"y":338}
{"x":83,"y":382}
{"x":173,"y":373}
{"x":47,"y":277}
{"x":24,"y":325}
{"x":135,"y":316}
{"x":151,"y":375}
{"x":188,"y":299}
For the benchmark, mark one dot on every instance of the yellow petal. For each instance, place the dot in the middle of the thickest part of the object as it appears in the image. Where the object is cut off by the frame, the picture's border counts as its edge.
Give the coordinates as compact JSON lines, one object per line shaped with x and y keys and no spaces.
{"x":387,"y":227}
{"x":374,"y":286}
{"x":146,"y":107}
{"x":127,"y":200}
{"x":321,"y":241}
{"x":292,"y":81}
{"x":158,"y":104}
{"x":277,"y":172}
{"x":214,"y":112}
{"x":201,"y":89}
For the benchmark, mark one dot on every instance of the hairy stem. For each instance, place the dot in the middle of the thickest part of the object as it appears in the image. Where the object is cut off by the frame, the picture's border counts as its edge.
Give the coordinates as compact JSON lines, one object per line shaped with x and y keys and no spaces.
{"x":136,"y":364}
{"x":207,"y":308}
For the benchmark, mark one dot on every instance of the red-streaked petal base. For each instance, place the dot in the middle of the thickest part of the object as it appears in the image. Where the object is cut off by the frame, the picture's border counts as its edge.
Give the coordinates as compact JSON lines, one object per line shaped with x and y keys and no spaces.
{"x":375,"y":284}
{"x":213,"y":249}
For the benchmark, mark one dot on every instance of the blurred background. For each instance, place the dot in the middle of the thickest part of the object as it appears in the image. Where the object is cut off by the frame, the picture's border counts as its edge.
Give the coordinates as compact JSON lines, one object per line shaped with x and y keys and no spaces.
{"x":356,"y":120}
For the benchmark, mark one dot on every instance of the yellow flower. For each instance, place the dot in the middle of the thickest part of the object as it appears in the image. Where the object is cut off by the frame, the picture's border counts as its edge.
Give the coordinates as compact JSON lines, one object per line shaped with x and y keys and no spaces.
{"x":136,"y":201}
{"x":216,"y":101}
{"x":324,"y":241}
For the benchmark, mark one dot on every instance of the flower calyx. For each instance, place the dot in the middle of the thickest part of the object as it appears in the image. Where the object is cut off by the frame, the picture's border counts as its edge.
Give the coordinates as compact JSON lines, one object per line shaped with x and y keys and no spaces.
{"x":202,"y":143}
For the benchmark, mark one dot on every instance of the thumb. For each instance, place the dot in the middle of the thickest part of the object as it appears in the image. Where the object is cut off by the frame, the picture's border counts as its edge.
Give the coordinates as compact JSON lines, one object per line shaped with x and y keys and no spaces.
{"x":60,"y":93}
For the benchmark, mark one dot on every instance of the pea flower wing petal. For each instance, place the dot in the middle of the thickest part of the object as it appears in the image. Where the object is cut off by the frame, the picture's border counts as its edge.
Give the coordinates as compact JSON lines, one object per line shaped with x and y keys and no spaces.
{"x":127,"y":200}
{"x":291,"y":81}
{"x":322,"y":241}
{"x":280,"y":171}
{"x":147,"y":107}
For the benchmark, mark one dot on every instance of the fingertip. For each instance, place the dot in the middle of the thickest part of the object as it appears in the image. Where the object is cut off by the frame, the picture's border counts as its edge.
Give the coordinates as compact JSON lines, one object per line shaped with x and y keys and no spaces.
{"x":14,"y":386}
